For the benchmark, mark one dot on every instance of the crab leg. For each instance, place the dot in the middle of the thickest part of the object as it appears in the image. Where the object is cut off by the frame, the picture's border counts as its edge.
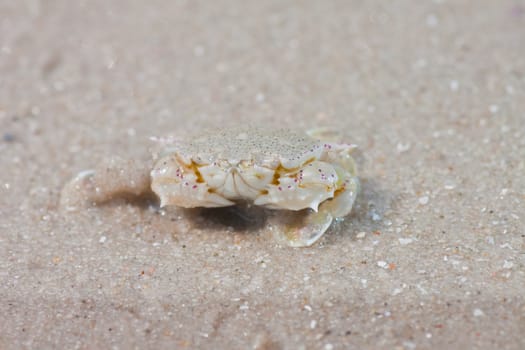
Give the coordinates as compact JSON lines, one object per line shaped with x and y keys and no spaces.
{"x":305,"y":231}
{"x":302,"y":230}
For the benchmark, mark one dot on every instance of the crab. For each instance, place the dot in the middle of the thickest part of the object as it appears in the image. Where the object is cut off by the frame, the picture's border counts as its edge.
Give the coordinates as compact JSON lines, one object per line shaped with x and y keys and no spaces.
{"x":280,"y":170}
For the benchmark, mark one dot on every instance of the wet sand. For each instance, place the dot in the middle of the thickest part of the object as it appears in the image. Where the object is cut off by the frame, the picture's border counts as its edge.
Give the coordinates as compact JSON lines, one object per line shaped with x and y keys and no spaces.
{"x":432,"y":256}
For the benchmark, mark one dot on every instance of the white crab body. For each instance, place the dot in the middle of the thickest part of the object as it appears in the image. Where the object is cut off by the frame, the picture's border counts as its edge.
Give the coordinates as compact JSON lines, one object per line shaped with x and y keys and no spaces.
{"x":279,"y":170}
{"x":275,"y":169}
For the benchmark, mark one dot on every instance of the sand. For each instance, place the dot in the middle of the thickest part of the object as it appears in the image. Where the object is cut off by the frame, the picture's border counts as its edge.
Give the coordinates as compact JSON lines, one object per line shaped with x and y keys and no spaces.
{"x":432,"y":92}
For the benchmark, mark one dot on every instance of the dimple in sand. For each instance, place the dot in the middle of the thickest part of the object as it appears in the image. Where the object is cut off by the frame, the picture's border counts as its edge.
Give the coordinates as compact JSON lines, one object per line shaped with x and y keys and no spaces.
{"x":277,"y":169}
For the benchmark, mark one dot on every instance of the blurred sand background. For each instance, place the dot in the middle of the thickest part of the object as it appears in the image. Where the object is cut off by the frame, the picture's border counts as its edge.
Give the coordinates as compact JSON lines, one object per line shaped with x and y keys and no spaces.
{"x":433,"y":92}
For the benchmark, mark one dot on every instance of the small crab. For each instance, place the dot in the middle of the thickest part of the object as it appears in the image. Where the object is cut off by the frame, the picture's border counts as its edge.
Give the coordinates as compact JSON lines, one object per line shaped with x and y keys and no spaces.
{"x":276,"y":169}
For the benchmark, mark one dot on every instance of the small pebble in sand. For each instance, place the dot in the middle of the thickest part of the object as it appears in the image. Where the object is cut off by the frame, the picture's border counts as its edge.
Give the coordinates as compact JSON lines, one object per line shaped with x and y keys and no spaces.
{"x":260,"y":97}
{"x":449,"y":185}
{"x":360,"y":235}
{"x":403,"y":147}
{"x":382,"y":264}
{"x":432,"y":21}
{"x":376,"y":216}
{"x":405,"y":241}
{"x":478,"y":313}
{"x":397,"y":291}
{"x":423,"y":200}
{"x":493,"y":108}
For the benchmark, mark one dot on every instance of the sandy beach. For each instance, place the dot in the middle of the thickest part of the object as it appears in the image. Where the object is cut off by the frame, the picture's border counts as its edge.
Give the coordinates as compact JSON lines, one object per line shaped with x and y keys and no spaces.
{"x":432,"y":92}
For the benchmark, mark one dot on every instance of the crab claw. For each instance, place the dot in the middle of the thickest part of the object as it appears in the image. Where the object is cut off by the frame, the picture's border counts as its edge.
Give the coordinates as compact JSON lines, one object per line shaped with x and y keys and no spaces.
{"x":299,"y":230}
{"x":304,"y":230}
